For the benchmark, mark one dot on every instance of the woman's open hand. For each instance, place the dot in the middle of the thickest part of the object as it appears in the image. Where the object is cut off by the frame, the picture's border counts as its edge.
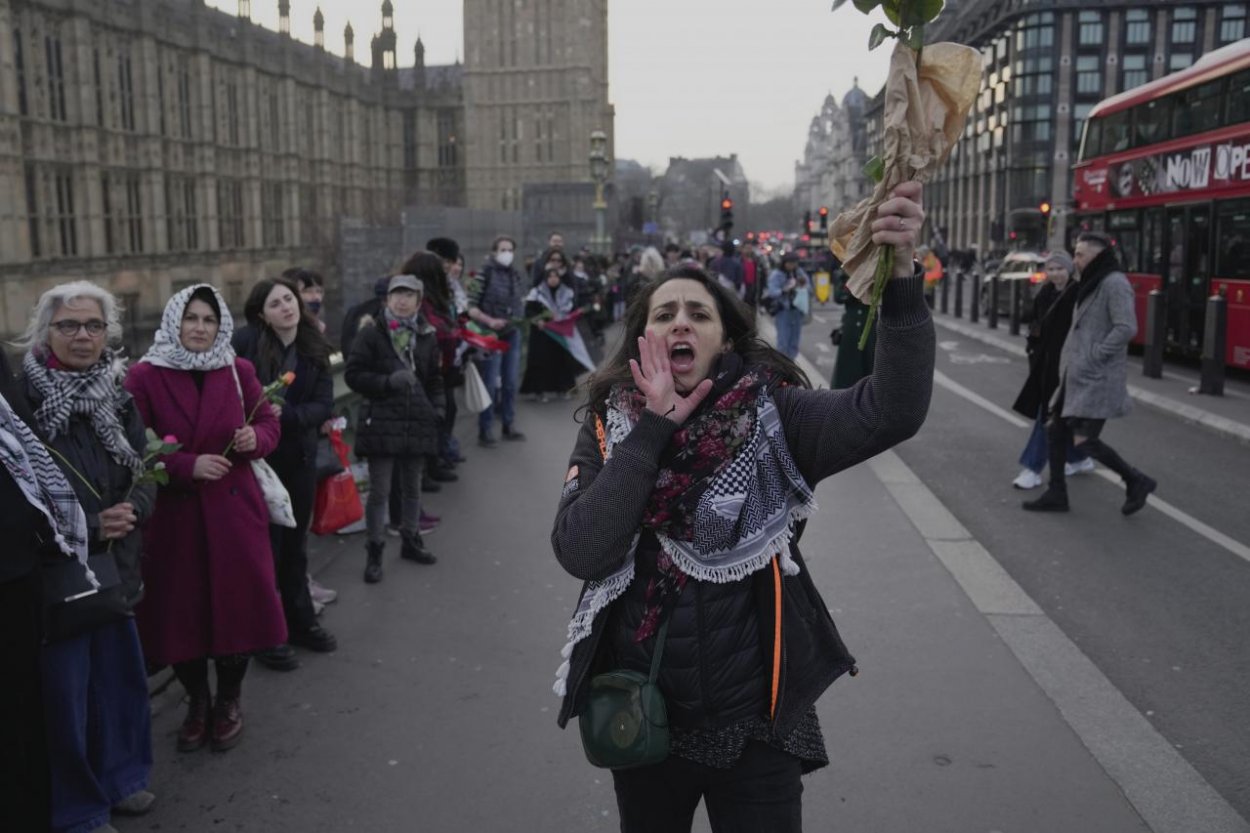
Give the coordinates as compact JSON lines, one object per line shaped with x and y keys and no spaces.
{"x":653,"y":376}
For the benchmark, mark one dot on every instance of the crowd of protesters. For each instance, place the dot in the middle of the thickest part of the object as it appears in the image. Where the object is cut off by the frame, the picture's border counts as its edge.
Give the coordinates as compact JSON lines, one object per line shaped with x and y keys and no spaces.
{"x":141,"y":522}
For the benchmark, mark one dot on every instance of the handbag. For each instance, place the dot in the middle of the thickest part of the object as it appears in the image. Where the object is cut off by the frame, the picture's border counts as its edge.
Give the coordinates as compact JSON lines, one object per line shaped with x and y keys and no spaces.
{"x":328,"y":462}
{"x":72,"y":606}
{"x":624,"y":723}
{"x":476,"y":396}
{"x":277,"y":498}
{"x":337,"y":503}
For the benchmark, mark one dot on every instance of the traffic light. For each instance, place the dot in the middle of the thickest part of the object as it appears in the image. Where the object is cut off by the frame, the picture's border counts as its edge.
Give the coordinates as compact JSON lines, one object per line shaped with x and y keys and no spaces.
{"x":726,"y":212}
{"x":1045,"y":207}
{"x":807,"y":222}
{"x":824,"y":218}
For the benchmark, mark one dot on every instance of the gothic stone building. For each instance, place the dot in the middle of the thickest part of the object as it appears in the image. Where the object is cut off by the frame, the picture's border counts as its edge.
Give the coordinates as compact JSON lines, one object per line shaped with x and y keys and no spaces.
{"x":831,"y":173}
{"x":149,"y":144}
{"x":535,"y":88}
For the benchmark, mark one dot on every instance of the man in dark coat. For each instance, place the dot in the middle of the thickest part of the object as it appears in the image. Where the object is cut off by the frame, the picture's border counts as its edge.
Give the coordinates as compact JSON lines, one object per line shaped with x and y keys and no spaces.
{"x":1093,"y":375}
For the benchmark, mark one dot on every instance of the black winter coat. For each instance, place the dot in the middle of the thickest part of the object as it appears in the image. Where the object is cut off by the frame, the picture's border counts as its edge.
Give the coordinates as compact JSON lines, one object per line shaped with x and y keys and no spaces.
{"x":1049,"y":323}
{"x":396,"y":423}
{"x":309,"y":402}
{"x":111,"y":480}
{"x":23,"y":528}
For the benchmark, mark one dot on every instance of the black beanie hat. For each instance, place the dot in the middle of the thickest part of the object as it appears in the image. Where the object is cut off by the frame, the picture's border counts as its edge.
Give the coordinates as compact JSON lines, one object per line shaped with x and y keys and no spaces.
{"x":444,"y":247}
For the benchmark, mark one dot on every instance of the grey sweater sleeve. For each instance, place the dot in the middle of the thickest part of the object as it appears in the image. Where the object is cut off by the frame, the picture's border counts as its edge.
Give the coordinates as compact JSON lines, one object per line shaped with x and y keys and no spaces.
{"x":602,"y":503}
{"x":831,"y":430}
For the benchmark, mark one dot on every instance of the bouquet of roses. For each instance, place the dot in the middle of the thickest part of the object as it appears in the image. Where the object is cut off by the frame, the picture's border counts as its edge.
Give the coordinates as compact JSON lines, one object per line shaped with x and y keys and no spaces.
{"x":274,"y":393}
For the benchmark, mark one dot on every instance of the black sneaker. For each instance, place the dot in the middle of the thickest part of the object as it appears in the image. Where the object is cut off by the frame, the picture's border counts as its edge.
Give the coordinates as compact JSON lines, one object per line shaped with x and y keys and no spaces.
{"x":443,"y":475}
{"x":314,"y":638}
{"x":1138,"y":489}
{"x":486,"y":440}
{"x":278,"y":658}
{"x":512,"y":434}
{"x":428,"y":485}
{"x":1050,"y":501}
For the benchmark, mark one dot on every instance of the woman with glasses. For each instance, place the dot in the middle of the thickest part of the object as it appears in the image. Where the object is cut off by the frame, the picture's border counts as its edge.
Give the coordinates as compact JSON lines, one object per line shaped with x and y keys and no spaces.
{"x":94,"y":680}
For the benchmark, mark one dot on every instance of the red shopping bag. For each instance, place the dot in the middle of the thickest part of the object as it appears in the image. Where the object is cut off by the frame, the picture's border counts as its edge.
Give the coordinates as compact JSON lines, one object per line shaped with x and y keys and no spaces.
{"x":338,"y":502}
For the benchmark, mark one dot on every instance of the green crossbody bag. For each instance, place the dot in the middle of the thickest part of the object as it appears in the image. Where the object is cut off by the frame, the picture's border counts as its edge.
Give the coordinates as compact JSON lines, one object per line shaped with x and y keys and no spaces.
{"x":625,"y":722}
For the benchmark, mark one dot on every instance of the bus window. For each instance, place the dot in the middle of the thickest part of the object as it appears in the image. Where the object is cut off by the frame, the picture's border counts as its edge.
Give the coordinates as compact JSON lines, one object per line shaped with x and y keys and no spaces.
{"x":1124,"y":228}
{"x":1115,"y":132}
{"x":1238,"y":99}
{"x":1152,"y":250}
{"x":1197,"y":109}
{"x":1091,"y":143}
{"x":1233,"y":234}
{"x":1151,"y":120}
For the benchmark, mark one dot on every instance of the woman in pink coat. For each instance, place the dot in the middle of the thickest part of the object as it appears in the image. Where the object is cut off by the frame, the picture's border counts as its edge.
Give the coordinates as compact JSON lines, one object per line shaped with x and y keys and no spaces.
{"x":207,"y":562}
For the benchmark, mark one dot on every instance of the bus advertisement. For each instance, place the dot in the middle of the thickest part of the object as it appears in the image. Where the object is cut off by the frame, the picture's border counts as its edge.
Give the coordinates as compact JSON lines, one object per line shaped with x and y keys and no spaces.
{"x":1164,"y":169}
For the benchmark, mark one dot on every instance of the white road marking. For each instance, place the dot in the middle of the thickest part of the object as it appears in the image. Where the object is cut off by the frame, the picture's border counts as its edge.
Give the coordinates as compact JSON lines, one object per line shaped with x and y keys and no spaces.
{"x":824,"y":348}
{"x":820,"y":318}
{"x":1185,"y":519}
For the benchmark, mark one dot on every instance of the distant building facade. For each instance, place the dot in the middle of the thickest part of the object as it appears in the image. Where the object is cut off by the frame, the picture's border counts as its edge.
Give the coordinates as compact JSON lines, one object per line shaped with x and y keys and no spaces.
{"x":690,"y":195}
{"x":1046,"y":63}
{"x":535,"y":88}
{"x":831,"y":173}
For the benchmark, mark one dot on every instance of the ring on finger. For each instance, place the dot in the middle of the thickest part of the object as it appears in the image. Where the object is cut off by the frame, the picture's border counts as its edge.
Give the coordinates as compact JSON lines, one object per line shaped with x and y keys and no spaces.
{"x":902,"y":224}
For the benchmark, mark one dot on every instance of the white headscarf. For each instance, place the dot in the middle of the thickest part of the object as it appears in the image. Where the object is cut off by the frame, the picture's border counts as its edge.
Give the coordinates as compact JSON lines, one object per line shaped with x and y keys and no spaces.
{"x":167,"y":350}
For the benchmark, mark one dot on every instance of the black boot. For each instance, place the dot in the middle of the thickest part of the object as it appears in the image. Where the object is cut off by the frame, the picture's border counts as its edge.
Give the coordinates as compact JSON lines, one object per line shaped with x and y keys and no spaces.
{"x":373,"y":564}
{"x":413,"y":549}
{"x":1051,"y":500}
{"x":1137,"y":487}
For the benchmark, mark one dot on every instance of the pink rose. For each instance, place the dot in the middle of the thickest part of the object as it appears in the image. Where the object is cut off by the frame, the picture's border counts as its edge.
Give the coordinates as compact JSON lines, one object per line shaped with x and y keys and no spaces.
{"x":394,"y":325}
{"x":169,"y":439}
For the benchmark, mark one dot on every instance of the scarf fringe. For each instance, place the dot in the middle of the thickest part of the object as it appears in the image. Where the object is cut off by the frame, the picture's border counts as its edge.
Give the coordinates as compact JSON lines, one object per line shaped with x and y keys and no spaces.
{"x":598,"y":596}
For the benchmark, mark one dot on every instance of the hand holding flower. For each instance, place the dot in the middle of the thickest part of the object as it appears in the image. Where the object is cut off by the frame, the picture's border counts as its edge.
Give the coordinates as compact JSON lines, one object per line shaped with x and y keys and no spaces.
{"x":117,"y":521}
{"x":245,"y":439}
{"x":274,"y":393}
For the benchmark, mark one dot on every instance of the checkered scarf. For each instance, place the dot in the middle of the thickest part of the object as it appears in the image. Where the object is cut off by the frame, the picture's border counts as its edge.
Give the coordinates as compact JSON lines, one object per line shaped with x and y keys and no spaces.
{"x":725,"y":503}
{"x":44,"y":485}
{"x":167,"y":349}
{"x":95,"y":392}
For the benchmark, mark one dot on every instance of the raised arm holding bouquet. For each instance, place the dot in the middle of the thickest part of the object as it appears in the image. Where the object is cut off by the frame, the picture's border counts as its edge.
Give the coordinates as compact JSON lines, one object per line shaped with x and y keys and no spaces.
{"x":926,"y":104}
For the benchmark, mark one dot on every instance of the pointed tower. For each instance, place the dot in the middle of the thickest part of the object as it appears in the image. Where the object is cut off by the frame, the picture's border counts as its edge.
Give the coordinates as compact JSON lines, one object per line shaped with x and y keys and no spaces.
{"x":419,"y":66}
{"x":284,"y":17}
{"x":245,"y":9}
{"x":349,"y":42}
{"x":319,"y":29}
{"x":384,"y":44}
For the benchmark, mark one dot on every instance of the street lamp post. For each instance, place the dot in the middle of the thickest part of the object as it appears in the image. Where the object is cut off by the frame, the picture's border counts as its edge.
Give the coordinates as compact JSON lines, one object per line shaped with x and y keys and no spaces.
{"x":599,"y":164}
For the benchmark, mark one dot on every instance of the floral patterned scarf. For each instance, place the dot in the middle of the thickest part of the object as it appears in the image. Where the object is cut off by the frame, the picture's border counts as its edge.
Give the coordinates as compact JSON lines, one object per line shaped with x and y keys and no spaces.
{"x":725,"y":502}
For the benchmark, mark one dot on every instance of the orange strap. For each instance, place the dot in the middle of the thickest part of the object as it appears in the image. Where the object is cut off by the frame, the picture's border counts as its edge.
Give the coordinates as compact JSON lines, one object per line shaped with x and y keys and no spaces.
{"x":603,"y":437}
{"x":772,"y":708}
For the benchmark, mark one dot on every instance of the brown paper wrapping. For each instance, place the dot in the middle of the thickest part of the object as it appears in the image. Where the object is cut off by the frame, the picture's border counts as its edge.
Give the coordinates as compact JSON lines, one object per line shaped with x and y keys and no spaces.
{"x":924,"y":114}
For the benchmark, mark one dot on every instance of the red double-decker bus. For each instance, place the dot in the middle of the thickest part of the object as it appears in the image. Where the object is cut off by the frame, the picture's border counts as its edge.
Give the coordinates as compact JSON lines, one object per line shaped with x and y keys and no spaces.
{"x":1164,"y":168}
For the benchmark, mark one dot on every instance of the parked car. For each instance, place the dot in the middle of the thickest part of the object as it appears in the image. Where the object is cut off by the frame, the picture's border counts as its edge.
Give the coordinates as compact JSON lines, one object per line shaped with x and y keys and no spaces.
{"x":1028,"y":268}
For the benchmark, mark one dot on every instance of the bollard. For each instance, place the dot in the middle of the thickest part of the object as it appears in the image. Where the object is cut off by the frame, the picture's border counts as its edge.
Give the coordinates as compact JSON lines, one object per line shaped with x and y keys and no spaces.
{"x":993,"y":311}
{"x":1156,"y":334}
{"x":959,"y":293}
{"x":946,"y":291}
{"x":974,"y":303}
{"x":1013,"y":325}
{"x":1214,"y":338}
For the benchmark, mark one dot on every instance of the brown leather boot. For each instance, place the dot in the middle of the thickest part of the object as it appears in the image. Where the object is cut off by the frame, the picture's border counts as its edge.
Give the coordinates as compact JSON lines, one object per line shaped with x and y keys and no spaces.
{"x":195,"y":726}
{"x":227,"y":723}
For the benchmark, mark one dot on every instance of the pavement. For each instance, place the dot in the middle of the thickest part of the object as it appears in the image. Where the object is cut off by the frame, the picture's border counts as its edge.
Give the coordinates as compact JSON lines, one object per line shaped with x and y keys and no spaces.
{"x":973,"y":711}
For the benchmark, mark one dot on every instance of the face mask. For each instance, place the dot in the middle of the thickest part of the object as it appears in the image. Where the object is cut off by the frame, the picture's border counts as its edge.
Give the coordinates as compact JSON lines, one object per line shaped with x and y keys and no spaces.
{"x":503,"y":258}
{"x":313,"y":306}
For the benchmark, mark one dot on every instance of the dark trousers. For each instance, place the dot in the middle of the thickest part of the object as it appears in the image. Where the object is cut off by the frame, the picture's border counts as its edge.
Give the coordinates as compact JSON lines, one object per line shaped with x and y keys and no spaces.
{"x":290,"y":547}
{"x":1063,"y":430}
{"x":99,"y":724}
{"x":193,"y":674}
{"x":24,"y":787}
{"x":762,"y":792}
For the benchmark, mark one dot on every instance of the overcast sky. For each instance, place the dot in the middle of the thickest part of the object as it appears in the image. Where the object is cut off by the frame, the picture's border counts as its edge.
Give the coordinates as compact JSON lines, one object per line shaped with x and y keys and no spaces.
{"x":688,"y":77}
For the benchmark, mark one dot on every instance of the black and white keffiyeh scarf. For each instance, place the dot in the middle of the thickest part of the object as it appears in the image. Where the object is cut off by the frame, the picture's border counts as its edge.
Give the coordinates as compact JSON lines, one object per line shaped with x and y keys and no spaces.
{"x":726,"y":501}
{"x":44,"y":485}
{"x":167,"y":349}
{"x":95,"y":392}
